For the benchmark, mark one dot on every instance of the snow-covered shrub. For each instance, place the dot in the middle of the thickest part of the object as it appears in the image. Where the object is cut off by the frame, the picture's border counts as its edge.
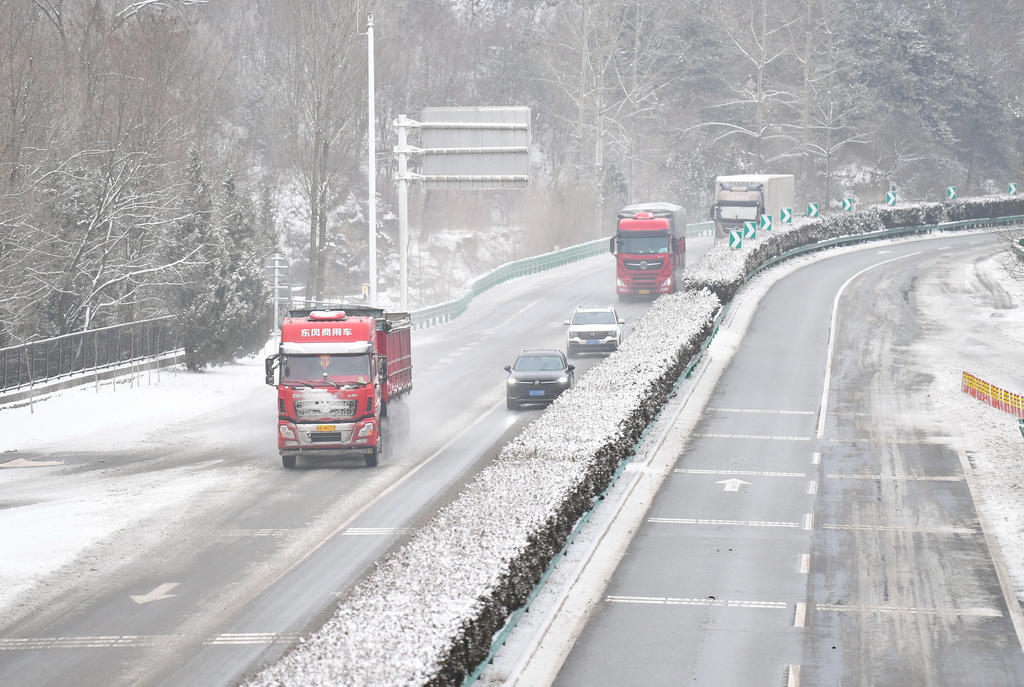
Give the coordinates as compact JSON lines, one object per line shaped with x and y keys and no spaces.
{"x":427,"y":614}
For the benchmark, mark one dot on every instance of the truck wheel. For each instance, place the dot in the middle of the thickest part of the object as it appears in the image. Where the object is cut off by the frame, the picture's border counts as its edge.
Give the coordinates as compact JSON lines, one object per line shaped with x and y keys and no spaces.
{"x":622,"y":298}
{"x":372,"y":459}
{"x":288,"y":462}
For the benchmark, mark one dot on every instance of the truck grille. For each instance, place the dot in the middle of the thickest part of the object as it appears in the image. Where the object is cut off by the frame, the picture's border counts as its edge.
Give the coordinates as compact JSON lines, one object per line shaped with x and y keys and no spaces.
{"x":332,"y":408}
{"x":644,"y":265}
{"x":332,"y":437}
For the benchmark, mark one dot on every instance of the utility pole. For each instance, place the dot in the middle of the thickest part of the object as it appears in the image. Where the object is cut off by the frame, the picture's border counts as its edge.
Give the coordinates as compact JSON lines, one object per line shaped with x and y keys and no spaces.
{"x":371,"y":162}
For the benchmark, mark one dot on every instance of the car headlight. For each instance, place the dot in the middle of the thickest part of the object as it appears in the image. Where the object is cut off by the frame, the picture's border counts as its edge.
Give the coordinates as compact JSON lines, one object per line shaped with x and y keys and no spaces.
{"x":511,"y":381}
{"x":563,"y":380}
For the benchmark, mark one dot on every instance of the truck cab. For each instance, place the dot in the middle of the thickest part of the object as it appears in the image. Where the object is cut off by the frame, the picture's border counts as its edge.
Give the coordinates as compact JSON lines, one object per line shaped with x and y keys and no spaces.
{"x":650,"y":249}
{"x":335,"y":374}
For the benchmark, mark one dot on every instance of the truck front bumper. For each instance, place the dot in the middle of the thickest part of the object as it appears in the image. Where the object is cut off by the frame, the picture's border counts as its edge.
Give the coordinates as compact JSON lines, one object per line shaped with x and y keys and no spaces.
{"x":645,"y":287}
{"x":359,"y":436}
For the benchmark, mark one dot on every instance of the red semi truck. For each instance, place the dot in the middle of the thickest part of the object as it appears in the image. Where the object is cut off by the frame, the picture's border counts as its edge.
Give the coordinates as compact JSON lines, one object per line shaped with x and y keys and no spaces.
{"x":339,"y":371}
{"x":650,"y":249}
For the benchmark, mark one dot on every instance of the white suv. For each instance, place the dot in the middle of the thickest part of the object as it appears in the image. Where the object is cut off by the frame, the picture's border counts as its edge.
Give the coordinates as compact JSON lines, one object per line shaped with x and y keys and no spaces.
{"x":593,"y":328}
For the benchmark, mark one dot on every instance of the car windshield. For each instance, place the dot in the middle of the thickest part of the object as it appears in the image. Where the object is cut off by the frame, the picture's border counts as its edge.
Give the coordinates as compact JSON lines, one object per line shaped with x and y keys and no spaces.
{"x":530,"y":363}
{"x":306,"y":368}
{"x":595,"y":317}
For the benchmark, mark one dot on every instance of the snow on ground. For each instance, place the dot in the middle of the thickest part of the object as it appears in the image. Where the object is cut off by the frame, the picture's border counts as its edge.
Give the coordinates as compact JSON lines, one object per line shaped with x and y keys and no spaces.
{"x":985,"y":340}
{"x":988,"y":342}
{"x":130,"y":414}
{"x":80,"y":512}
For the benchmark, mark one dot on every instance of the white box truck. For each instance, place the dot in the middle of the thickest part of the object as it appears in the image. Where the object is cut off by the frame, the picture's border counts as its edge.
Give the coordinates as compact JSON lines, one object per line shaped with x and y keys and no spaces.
{"x":743,"y":198}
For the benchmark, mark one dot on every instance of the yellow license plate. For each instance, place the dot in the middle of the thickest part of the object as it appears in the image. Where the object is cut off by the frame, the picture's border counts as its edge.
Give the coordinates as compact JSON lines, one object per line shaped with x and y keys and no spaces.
{"x":644,"y":292}
{"x":325,"y":428}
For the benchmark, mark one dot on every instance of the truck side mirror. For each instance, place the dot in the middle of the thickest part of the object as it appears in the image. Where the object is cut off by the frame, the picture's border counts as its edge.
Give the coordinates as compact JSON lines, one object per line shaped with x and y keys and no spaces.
{"x":611,"y":245}
{"x":270,"y":369}
{"x":382,"y":368}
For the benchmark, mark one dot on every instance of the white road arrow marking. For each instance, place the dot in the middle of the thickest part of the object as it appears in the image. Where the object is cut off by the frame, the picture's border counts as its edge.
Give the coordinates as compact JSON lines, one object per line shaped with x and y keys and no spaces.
{"x":157,"y":594}
{"x":732,"y":484}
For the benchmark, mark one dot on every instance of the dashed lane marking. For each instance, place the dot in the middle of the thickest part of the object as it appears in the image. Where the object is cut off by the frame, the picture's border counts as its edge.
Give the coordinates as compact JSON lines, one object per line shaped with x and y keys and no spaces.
{"x":911,"y":610}
{"x":267,"y":532}
{"x":139,"y":641}
{"x":739,"y":523}
{"x":755,"y":410}
{"x":671,"y":601}
{"x":801,"y":608}
{"x":907,"y":478}
{"x":750,"y":436}
{"x":889,"y":528}
{"x":747,"y":473}
{"x":102,"y":642}
{"x":253,"y":638}
{"x":375,"y":531}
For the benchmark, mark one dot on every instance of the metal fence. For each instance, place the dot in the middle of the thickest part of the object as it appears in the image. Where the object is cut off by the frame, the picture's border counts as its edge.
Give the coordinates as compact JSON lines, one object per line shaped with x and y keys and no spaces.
{"x":64,"y":356}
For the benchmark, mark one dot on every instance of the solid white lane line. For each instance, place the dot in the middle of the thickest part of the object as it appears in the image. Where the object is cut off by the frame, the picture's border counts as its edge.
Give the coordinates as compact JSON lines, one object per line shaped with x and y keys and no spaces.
{"x":832,"y":339}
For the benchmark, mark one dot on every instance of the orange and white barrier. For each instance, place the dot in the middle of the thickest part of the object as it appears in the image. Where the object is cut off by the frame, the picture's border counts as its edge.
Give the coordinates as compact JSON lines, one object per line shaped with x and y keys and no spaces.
{"x":993,"y":395}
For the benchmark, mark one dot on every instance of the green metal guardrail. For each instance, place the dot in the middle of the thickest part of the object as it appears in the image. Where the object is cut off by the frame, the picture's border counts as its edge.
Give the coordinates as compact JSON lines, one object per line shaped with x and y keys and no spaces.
{"x":446,"y":312}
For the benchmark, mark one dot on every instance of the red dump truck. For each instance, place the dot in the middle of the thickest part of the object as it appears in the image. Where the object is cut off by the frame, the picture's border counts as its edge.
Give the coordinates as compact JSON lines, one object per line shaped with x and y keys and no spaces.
{"x":650,"y":249}
{"x":339,"y":372}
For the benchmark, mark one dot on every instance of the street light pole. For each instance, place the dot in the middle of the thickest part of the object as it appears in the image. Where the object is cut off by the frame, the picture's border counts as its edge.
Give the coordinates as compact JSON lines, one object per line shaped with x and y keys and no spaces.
{"x":371,"y":163}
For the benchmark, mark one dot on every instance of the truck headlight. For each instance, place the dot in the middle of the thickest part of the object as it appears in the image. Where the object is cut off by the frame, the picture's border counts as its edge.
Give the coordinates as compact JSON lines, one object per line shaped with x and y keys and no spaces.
{"x":366,"y":430}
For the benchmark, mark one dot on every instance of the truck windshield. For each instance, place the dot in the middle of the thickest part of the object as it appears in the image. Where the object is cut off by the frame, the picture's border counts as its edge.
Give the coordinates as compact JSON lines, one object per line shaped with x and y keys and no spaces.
{"x":643,"y":245}
{"x":741,"y":212}
{"x":311,"y":368}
